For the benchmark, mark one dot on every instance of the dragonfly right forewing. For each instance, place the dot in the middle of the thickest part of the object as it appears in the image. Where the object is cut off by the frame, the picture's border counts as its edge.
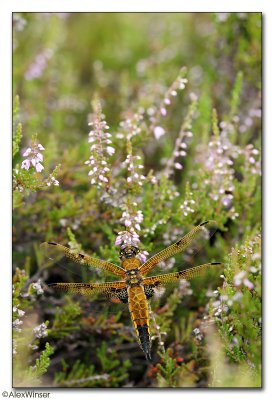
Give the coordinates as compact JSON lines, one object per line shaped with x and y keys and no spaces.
{"x":68,"y":264}
{"x":63,"y":270}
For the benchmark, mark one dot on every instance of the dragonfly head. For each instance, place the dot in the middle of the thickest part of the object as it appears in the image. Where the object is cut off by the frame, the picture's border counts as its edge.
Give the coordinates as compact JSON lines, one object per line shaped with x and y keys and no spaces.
{"x":128,"y":251}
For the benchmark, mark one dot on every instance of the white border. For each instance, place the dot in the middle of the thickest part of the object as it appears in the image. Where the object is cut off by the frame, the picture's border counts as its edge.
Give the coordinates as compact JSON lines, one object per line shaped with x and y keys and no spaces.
{"x":6,"y":7}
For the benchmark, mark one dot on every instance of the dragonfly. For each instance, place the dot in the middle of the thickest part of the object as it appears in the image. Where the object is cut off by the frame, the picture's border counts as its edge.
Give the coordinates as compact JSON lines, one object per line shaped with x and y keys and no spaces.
{"x":134,"y":287}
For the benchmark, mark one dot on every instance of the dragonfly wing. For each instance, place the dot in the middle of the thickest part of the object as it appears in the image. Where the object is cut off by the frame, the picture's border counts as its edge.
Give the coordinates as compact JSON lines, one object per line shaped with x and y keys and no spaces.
{"x":162,"y":286}
{"x":111,"y":289}
{"x":55,"y":251}
{"x":109,"y":303}
{"x":206,"y":228}
{"x":173,"y":277}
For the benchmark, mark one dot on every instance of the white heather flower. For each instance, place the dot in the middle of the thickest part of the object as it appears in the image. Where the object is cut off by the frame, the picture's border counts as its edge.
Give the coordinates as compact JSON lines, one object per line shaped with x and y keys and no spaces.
{"x":110,"y":150}
{"x":16,"y":324}
{"x":14,"y":345}
{"x":19,"y":312}
{"x":37,"y":286}
{"x":178,"y":165}
{"x":158,"y":132}
{"x":40,"y":331}
{"x":52,"y":181}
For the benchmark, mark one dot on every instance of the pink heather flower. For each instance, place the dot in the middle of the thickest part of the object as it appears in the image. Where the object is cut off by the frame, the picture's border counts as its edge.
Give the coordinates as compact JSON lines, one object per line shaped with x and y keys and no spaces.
{"x":33,"y":157}
{"x":100,"y":149}
{"x":125,"y":237}
{"x":163,"y":111}
{"x":39,"y":167}
{"x":142,"y":256}
{"x":27,"y":152}
{"x":39,"y":157}
{"x":38,"y":66}
{"x":248,"y":284}
{"x":241,"y":278}
{"x":25,"y":164}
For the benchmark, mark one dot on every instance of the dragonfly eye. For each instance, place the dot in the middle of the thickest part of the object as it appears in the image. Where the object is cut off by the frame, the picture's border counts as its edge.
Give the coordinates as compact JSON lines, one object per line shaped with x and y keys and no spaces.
{"x":129,"y":251}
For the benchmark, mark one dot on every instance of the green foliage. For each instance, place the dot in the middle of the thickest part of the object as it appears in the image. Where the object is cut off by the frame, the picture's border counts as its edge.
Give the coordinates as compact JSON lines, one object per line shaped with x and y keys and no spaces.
{"x":79,"y":375}
{"x":41,"y":364}
{"x":113,"y":372}
{"x":168,"y":372}
{"x":169,"y":147}
{"x":116,"y":369}
{"x":239,"y":321}
{"x":17,"y":131}
{"x":26,"y":333}
{"x":66,"y":319}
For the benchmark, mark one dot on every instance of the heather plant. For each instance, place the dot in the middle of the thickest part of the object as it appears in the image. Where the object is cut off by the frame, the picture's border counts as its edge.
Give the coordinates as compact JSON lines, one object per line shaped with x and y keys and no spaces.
{"x":122,"y":137}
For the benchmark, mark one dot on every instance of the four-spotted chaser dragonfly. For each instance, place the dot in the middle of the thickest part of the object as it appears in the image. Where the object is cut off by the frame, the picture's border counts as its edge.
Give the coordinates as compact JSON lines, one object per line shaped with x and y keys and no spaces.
{"x":134,"y":287}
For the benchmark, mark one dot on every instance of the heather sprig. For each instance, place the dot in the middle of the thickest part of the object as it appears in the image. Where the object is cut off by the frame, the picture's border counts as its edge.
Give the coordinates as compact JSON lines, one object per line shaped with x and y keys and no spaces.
{"x":100,"y":149}
{"x":39,"y":64}
{"x":238,"y":325}
{"x":182,"y":141}
{"x":160,"y":110}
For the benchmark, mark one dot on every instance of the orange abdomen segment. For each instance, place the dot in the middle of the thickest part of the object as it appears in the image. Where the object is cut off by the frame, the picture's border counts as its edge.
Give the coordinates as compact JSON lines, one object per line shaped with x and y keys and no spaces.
{"x":138,"y":307}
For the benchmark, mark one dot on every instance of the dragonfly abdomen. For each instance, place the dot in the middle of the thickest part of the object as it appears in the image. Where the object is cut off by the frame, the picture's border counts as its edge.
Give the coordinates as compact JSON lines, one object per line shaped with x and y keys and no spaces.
{"x":138,"y":308}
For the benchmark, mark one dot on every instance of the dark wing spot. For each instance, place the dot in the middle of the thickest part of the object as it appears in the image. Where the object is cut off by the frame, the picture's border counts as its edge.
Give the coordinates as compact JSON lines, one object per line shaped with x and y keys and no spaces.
{"x":179,"y":242}
{"x":204,"y":223}
{"x":53,"y":243}
{"x":215,"y":263}
{"x":157,"y":283}
{"x":81,"y":255}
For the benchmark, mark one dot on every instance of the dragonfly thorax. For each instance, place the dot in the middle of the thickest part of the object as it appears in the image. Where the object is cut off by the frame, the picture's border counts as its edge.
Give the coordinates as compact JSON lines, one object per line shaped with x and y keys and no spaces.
{"x":133,"y":277}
